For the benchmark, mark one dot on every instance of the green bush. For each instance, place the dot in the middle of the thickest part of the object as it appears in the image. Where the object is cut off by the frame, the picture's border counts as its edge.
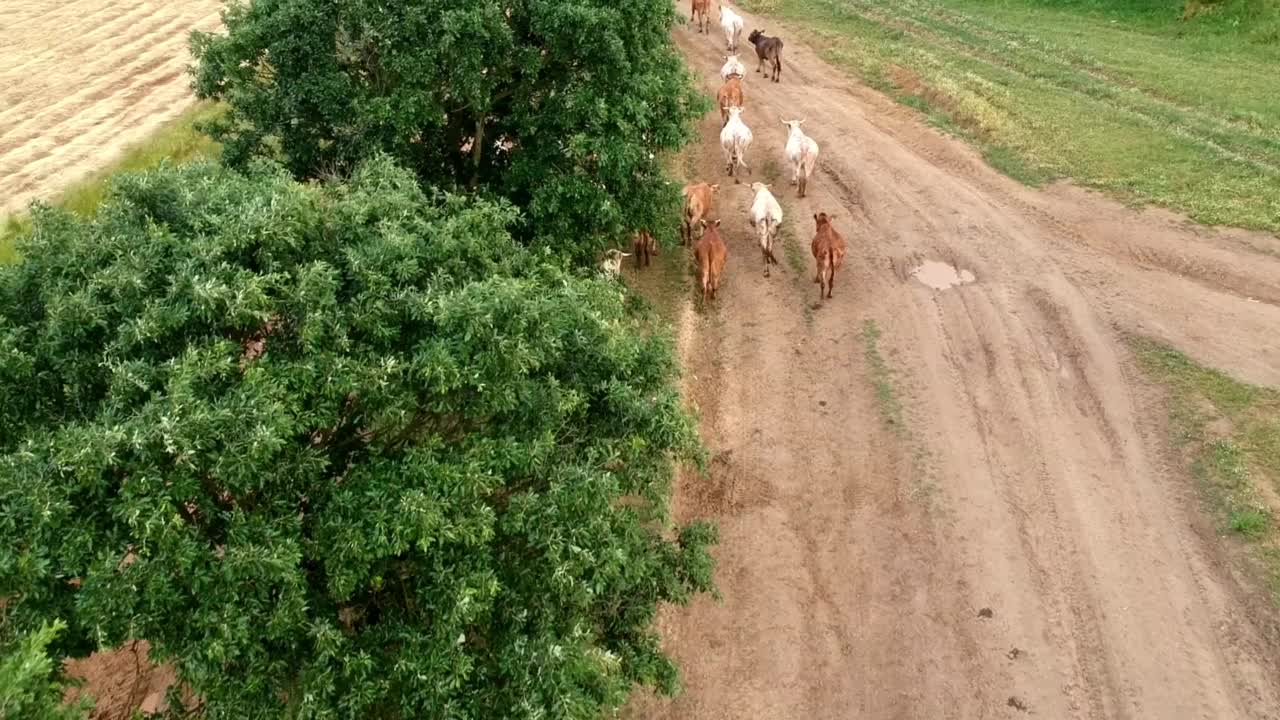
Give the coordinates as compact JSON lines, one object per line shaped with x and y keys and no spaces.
{"x":586,"y":95}
{"x":30,"y":682}
{"x":340,"y":451}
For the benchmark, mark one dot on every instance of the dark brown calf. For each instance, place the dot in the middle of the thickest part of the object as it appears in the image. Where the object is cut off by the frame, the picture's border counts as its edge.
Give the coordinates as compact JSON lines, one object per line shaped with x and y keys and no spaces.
{"x":768,"y":49}
{"x":828,"y":251}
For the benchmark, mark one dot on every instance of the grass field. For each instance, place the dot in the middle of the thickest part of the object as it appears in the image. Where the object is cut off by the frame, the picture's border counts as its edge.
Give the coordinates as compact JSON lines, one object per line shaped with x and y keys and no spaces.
{"x":177,"y":142}
{"x":1229,"y":436}
{"x":1119,"y":96}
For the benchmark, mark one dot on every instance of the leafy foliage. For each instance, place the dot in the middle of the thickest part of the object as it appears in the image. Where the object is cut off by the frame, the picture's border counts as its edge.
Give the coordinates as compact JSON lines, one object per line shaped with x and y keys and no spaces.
{"x":337,"y":451}
{"x":30,"y":686}
{"x":564,"y":107}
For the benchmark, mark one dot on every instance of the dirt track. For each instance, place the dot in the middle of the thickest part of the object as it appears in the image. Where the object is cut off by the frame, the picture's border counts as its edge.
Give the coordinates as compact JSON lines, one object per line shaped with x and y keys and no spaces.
{"x":81,"y":80}
{"x":1020,"y":542}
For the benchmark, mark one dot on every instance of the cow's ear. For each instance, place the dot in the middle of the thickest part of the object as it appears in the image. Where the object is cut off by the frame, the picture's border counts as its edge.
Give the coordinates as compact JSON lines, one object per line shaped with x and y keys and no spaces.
{"x":717,"y":222}
{"x":715,"y":187}
{"x":815,"y":217}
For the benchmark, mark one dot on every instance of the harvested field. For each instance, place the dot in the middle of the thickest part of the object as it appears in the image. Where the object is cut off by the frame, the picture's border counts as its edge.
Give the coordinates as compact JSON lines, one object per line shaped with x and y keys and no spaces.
{"x":83,"y":80}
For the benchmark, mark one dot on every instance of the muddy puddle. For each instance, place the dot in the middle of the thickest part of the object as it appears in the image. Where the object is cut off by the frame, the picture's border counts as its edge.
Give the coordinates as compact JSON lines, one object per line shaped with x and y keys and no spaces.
{"x":940,"y":275}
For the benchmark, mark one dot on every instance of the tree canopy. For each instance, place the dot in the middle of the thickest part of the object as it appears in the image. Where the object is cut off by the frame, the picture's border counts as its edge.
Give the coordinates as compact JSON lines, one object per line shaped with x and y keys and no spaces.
{"x":338,"y":451}
{"x":563,"y":107}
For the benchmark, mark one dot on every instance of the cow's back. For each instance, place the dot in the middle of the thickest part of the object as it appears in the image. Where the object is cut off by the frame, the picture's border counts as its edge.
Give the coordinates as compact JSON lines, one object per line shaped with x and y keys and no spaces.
{"x":731,"y":92}
{"x":710,"y":250}
{"x":697,"y":202}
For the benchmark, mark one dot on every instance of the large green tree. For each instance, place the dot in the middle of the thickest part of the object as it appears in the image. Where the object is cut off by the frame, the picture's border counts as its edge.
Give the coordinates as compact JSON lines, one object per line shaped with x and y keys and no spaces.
{"x":339,"y":451}
{"x":564,"y":107}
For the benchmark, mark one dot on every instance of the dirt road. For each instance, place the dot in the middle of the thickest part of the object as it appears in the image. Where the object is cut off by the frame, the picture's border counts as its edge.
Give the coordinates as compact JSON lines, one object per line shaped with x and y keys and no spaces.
{"x":1007,"y":535}
{"x":81,"y":80}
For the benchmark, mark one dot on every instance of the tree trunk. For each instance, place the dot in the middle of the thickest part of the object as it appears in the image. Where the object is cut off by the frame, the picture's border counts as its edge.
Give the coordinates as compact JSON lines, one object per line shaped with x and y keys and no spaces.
{"x":477,"y":150}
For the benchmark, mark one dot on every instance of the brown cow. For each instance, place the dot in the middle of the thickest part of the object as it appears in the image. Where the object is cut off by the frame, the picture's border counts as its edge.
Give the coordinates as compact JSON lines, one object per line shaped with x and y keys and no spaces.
{"x":711,"y":254}
{"x":644,"y":246}
{"x":730,"y":95}
{"x":698,"y":199}
{"x":703,"y":8}
{"x":768,"y":49}
{"x":828,"y":251}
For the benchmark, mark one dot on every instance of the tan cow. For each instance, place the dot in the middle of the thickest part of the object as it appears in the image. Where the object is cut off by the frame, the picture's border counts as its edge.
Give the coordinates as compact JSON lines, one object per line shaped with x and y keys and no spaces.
{"x":703,"y":8}
{"x":698,"y":200}
{"x":644,"y":246}
{"x":828,"y":251}
{"x":711,"y":254}
{"x":730,"y":95}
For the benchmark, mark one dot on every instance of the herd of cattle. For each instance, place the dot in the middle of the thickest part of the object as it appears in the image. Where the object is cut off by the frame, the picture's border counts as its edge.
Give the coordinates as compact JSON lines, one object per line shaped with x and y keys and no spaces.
{"x":800,"y":151}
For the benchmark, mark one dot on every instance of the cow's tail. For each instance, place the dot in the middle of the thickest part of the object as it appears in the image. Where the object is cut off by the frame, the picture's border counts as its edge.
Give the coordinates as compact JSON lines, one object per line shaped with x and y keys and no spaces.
{"x":766,"y":241}
{"x":806,"y":160}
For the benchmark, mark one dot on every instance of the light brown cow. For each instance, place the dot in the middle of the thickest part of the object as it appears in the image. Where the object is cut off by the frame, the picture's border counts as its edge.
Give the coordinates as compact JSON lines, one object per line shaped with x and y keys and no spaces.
{"x":698,"y":200}
{"x":644,"y":246}
{"x":703,"y":8}
{"x":828,"y":252}
{"x":730,"y":95}
{"x":711,"y":254}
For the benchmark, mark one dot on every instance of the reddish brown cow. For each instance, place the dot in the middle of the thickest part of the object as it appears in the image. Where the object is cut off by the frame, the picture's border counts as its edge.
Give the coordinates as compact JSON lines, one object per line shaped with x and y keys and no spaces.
{"x":644,"y":246}
{"x":711,"y":254}
{"x":703,"y":8}
{"x":730,"y":95}
{"x":698,"y":199}
{"x":828,"y":251}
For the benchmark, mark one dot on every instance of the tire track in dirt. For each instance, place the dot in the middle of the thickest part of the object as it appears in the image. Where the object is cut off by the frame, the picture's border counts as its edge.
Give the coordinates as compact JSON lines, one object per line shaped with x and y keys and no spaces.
{"x":85,"y":80}
{"x":1055,"y":513}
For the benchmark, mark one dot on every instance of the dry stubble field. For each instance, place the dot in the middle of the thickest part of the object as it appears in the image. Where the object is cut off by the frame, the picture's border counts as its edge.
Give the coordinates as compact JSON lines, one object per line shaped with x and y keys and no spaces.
{"x":82,"y":80}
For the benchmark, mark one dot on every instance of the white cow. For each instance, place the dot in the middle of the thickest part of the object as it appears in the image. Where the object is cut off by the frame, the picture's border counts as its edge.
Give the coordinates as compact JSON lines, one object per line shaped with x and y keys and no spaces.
{"x":766,"y":216}
{"x":732,"y":66}
{"x":731,"y":23}
{"x":735,"y":138}
{"x":611,"y":265}
{"x":802,"y":153}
